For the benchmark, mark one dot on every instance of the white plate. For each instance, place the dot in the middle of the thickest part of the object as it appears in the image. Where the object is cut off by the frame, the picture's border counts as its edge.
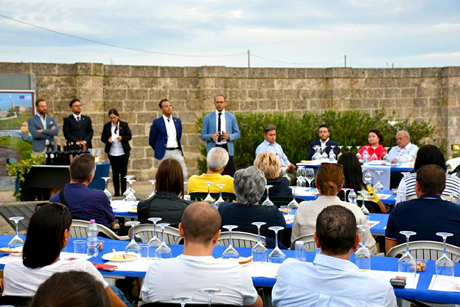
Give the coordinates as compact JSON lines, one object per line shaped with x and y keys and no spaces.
{"x":109,"y":257}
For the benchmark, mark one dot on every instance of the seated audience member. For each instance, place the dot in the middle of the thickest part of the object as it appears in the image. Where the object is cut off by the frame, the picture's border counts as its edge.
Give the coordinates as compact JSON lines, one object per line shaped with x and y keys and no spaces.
{"x":329,"y":181}
{"x":374,"y":146}
{"x":269,"y":163}
{"x":405,"y":151}
{"x":196,"y":268}
{"x":427,"y":214}
{"x":168,"y":202}
{"x":324,"y":142}
{"x":47,"y":234}
{"x":71,"y":289}
{"x":249,"y":188}
{"x":216,"y":161}
{"x":428,"y":154}
{"x":331,"y":280}
{"x":84,"y":203}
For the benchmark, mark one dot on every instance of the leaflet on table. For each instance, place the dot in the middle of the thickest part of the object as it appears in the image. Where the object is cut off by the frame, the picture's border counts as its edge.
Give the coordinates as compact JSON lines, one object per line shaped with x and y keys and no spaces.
{"x":372,"y":223}
{"x":304,"y":191}
{"x":383,"y":196}
{"x":139,"y":265}
{"x":64,"y":257}
{"x":123,"y":206}
{"x":444,"y":283}
{"x":411,"y":283}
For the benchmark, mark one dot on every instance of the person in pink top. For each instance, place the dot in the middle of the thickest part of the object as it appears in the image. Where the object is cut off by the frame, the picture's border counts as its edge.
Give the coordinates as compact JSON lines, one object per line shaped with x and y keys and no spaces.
{"x":375,"y":139}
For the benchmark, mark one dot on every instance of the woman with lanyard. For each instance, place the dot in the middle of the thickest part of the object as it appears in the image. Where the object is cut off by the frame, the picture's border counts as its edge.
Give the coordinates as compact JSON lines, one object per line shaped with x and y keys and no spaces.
{"x":116,"y":136}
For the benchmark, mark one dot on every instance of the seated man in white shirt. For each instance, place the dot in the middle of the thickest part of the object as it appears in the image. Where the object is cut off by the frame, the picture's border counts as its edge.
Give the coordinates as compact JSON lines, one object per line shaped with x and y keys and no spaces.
{"x":331,"y":280}
{"x":197,"y":268}
{"x":405,"y":151}
{"x":270,"y":145}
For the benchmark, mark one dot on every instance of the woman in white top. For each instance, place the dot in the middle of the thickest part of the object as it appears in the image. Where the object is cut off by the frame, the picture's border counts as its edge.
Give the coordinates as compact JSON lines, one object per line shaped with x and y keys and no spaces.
{"x":116,"y":136}
{"x":428,"y":154}
{"x":47,"y":234}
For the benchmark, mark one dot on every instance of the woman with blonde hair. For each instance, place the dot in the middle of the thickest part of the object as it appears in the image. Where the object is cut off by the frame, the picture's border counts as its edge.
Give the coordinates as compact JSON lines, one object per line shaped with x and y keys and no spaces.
{"x":269,"y":163}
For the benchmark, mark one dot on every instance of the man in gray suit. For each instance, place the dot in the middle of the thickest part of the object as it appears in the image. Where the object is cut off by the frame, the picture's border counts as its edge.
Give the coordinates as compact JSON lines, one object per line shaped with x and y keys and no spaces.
{"x":43,"y":128}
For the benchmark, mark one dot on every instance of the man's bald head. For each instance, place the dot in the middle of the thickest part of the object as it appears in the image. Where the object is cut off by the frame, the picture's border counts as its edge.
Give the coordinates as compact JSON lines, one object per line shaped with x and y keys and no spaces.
{"x":200,"y":223}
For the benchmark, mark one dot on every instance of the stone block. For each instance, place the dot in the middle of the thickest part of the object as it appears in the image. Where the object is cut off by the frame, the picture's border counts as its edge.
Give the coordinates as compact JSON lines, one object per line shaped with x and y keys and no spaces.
{"x":434,"y":102}
{"x":45,"y":82}
{"x":178,"y":94}
{"x":97,"y":81}
{"x":324,"y":94}
{"x":129,"y":117}
{"x":44,"y":69}
{"x":373,"y":93}
{"x":385,"y":103}
{"x":91,"y":94}
{"x":278,"y":73}
{"x":210,"y":94}
{"x":412,"y":112}
{"x":249,"y":106}
{"x":190,"y":128}
{"x":370,"y":103}
{"x":318,"y":104}
{"x":285,"y":105}
{"x":98,"y":106}
{"x":235,"y":72}
{"x":267,"y":105}
{"x":408,"y":92}
{"x":450,"y":71}
{"x":388,"y":83}
{"x":392,"y":73}
{"x":274,"y":94}
{"x":192,"y":72}
{"x":137,"y":153}
{"x":392,"y":93}
{"x":134,"y":106}
{"x":374,"y":73}
{"x":65,"y":81}
{"x":420,"y":102}
{"x":296,"y":73}
{"x":188,"y":83}
{"x":428,"y":92}
{"x":98,"y":119}
{"x":212,"y":72}
{"x":84,"y":81}
{"x":113,"y":104}
{"x":248,"y":84}
{"x":371,"y":83}
{"x":194,"y":105}
{"x":142,"y":164}
{"x":356,"y":94}
{"x":430,"y":72}
{"x":207,"y":83}
{"x":338,"y":72}
{"x":188,"y":117}
{"x":291,"y":94}
{"x":116,"y":82}
{"x":355,"y":103}
{"x":141,"y":94}
{"x":266,"y":84}
{"x":97,"y":69}
{"x":16,"y":68}
{"x":342,"y":83}
{"x":115,"y":94}
{"x":358,"y":73}
{"x":49,"y":95}
{"x":315,"y":72}
{"x":140,"y":141}
{"x":237,"y":95}
{"x":234,"y":106}
{"x":147,"y":117}
{"x":157,"y":95}
{"x":258,"y":73}
{"x":338,"y":94}
{"x":256,"y":94}
{"x":84,"y":69}
{"x":66,"y":69}
{"x":191,"y":149}
{"x":150,"y":83}
{"x":145,"y":71}
{"x":116,"y":71}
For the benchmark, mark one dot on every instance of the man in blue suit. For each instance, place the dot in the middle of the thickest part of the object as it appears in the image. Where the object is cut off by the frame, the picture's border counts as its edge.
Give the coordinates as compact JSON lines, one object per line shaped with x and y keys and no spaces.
{"x":324,"y":143}
{"x":165,"y":135}
{"x":220,"y":129}
{"x":42,"y":128}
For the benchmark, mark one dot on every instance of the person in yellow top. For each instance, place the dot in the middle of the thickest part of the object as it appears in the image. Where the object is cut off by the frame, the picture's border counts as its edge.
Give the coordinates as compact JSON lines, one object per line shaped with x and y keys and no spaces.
{"x":216,"y":161}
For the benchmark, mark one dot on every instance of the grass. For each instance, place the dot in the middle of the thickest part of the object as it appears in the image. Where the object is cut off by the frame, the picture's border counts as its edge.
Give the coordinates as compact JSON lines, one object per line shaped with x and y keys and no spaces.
{"x":19,"y":145}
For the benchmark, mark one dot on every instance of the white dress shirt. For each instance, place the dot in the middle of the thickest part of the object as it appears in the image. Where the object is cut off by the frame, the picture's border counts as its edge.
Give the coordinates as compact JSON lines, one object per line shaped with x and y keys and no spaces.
{"x":171,"y":131}
{"x":223,"y":126}
{"x":116,"y":149}
{"x":77,"y":117}
{"x":323,"y":145}
{"x":406,"y":154}
{"x":43,"y":120}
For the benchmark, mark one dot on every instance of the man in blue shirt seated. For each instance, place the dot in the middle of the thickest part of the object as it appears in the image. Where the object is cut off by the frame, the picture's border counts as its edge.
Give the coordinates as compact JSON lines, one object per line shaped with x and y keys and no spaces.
{"x":427,"y":214}
{"x":270,"y":145}
{"x":85,"y":204}
{"x":331,"y":280}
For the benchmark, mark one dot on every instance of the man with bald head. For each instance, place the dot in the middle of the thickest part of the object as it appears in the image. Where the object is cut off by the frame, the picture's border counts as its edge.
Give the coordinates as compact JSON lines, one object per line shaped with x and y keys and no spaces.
{"x":196,"y":268}
{"x":405,"y":151}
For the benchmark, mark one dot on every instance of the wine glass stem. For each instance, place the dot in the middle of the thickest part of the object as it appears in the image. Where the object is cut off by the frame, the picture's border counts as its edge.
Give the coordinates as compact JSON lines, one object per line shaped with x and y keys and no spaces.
{"x":267,"y":193}
{"x":132,"y":237}
{"x":163,"y":235}
{"x":445,"y":247}
{"x":154,"y":229}
{"x":407,"y":244}
{"x":17,"y":228}
{"x":230,"y":241}
{"x":209,"y":299}
{"x":276,"y":239}
{"x":258,"y":233}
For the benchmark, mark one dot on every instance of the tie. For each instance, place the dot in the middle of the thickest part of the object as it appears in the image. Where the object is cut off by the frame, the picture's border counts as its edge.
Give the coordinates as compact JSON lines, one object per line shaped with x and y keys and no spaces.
{"x":78,"y":118}
{"x":219,"y":126}
{"x":168,"y":120}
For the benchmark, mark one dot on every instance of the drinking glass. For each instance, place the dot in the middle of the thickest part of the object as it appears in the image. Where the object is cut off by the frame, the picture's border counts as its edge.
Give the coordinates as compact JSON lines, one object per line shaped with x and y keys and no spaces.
{"x":182,"y":299}
{"x":363,"y":206}
{"x":154,"y":241}
{"x":345,"y":191}
{"x":209,"y":198}
{"x":378,"y":186}
{"x":374,"y":157}
{"x":267,"y":201}
{"x":128,"y":190}
{"x":349,"y":147}
{"x":163,"y":251}
{"x":221,"y":199}
{"x":300,"y":251}
{"x":133,"y":247}
{"x":259,"y":251}
{"x":358,"y":155}
{"x":367,"y":177}
{"x":152,"y":181}
{"x":230,"y":252}
{"x":309,"y":175}
{"x":276,"y":256}
{"x":357,"y":148}
{"x":444,"y":266}
{"x":340,"y":152}
{"x":106,"y":190}
{"x":293,"y":204}
{"x":131,"y":194}
{"x":300,"y":178}
{"x":363,"y":255}
{"x":16,"y":242}
{"x":209,"y":292}
{"x":407,"y":263}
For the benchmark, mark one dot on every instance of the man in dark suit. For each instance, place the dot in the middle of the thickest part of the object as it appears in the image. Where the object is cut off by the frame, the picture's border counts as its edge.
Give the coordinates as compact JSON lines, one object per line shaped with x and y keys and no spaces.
{"x":43,"y":128}
{"x":165,"y":135}
{"x":77,"y":127}
{"x":324,"y":143}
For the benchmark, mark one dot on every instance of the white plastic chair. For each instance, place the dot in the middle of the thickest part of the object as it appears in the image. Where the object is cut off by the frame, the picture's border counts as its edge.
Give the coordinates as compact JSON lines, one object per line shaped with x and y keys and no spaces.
{"x":240,"y":239}
{"x":426,"y":250}
{"x":144,"y":232}
{"x":308,"y":240}
{"x":79,"y":229}
{"x":452,"y":163}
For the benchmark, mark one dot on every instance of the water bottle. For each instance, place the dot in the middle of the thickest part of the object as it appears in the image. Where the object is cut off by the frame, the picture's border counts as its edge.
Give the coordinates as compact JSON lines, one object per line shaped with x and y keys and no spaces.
{"x":368,"y":177}
{"x":92,"y":240}
{"x":365,"y":156}
{"x":352,"y":197}
{"x":331,"y":156}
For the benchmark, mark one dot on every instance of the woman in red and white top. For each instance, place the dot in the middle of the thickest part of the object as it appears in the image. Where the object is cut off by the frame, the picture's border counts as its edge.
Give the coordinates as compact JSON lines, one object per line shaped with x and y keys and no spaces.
{"x":375,"y":139}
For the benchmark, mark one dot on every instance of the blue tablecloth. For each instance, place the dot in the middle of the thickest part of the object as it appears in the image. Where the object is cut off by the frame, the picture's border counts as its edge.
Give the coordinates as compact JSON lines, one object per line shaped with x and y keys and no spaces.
{"x":391,"y":200}
{"x":394,"y":167}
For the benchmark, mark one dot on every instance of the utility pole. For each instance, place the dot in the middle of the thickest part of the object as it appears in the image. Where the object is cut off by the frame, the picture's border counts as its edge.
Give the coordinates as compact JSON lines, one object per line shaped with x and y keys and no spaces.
{"x":249,"y":59}
{"x":345,"y":60}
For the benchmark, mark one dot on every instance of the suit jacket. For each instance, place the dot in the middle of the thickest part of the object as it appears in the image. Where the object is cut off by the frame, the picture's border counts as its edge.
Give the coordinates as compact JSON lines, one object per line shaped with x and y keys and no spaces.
{"x":81,"y":131}
{"x":158,"y":137}
{"x":124,"y":132}
{"x":209,"y":127}
{"x":329,"y":143}
{"x":39,"y":139}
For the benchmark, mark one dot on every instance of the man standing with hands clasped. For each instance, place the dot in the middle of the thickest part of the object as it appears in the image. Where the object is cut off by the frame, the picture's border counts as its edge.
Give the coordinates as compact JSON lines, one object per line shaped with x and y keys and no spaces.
{"x":220,"y":129}
{"x":77,"y":127}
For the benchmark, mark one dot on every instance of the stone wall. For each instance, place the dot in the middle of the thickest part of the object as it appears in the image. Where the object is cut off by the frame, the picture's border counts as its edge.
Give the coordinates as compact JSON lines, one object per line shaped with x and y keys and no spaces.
{"x":423,"y":93}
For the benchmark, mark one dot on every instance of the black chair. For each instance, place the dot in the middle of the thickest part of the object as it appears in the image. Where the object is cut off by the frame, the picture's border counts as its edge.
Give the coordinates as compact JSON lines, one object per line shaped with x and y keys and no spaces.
{"x":158,"y":304}
{"x":199,"y":196}
{"x":281,"y":200}
{"x":17,"y":301}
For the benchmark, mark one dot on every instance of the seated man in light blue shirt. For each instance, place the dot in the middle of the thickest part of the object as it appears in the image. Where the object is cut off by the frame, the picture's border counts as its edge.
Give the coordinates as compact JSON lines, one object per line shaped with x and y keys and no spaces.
{"x":270,"y":145}
{"x":331,"y":280}
{"x":405,"y":151}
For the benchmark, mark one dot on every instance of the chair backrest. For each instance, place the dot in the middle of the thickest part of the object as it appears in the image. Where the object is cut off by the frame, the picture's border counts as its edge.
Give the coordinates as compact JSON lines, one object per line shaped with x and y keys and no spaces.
{"x":79,"y":229}
{"x":144,"y":232}
{"x":281,"y":200}
{"x":426,"y":250}
{"x":160,"y":304}
{"x":17,"y":301}
{"x":199,"y":196}
{"x":452,"y":164}
{"x":240,"y":239}
{"x":308,"y":241}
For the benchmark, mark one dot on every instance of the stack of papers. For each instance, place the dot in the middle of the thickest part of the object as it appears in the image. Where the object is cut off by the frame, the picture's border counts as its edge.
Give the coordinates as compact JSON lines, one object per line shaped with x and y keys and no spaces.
{"x":411,"y":282}
{"x":123,"y":206}
{"x":444,"y":283}
{"x":268,"y":270}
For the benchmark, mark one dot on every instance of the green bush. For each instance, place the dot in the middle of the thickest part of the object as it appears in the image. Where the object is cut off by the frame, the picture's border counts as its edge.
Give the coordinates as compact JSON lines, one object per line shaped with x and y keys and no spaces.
{"x":295,"y":132}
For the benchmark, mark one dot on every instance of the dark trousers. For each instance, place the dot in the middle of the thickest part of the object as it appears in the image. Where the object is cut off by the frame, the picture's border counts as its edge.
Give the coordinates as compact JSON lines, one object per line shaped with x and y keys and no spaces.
{"x":119,"y":168}
{"x":230,"y":168}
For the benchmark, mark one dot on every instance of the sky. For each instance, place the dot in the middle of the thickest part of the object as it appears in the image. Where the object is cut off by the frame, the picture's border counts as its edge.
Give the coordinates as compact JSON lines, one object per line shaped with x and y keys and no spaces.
{"x":292,"y":33}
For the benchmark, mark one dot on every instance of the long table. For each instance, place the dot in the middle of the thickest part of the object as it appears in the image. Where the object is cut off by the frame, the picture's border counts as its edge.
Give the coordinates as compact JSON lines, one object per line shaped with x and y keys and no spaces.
{"x":394,"y":167}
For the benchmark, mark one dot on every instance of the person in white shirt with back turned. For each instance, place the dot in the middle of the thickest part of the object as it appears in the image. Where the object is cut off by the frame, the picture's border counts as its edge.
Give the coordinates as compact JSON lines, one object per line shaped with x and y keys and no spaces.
{"x":196,"y":269}
{"x":331,"y":280}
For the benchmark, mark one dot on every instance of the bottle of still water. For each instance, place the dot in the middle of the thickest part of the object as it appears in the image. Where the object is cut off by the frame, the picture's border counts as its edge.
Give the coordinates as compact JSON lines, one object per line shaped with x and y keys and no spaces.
{"x":332,"y":156}
{"x":365,"y":156}
{"x":352,"y":197}
{"x":92,"y":240}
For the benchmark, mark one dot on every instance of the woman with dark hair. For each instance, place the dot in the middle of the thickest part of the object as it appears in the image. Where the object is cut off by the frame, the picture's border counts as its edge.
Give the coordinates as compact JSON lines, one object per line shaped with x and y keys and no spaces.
{"x":47,"y":234}
{"x":116,"y":136}
{"x":168,"y":201}
{"x":374,"y":146}
{"x":428,"y":154}
{"x":71,"y":289}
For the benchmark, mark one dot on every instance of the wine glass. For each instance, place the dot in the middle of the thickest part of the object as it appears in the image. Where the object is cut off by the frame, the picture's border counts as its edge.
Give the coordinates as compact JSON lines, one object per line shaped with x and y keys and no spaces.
{"x":340,"y":152}
{"x":300,"y":178}
{"x":154,"y":241}
{"x":276,"y":256}
{"x":407,"y":263}
{"x":367,"y":177}
{"x":349,"y":147}
{"x":357,"y":148}
{"x":133,"y":247}
{"x":163,"y":251}
{"x":267,"y":201}
{"x":230,"y":252}
{"x":293,"y":204}
{"x":152,"y":181}
{"x":106,"y":190}
{"x":182,"y":299}
{"x":209,"y":292}
{"x":363,"y":255}
{"x":309,"y":175}
{"x":16,"y":243}
{"x":221,"y":199}
{"x":378,"y":186}
{"x":131,"y":194}
{"x":363,"y":206}
{"x":209,"y":198}
{"x":128,"y":190}
{"x":259,"y":251}
{"x":444,"y":266}
{"x":345,"y":191}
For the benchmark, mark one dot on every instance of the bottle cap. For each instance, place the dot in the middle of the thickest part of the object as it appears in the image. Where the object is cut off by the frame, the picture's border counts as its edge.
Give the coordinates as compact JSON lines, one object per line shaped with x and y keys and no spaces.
{"x":352,"y":190}
{"x":92,"y":221}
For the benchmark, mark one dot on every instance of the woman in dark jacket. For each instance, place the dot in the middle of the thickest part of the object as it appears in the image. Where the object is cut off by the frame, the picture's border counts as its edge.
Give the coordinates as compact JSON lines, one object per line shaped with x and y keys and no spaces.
{"x":168,"y":202}
{"x":116,"y":136}
{"x":269,"y":163}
